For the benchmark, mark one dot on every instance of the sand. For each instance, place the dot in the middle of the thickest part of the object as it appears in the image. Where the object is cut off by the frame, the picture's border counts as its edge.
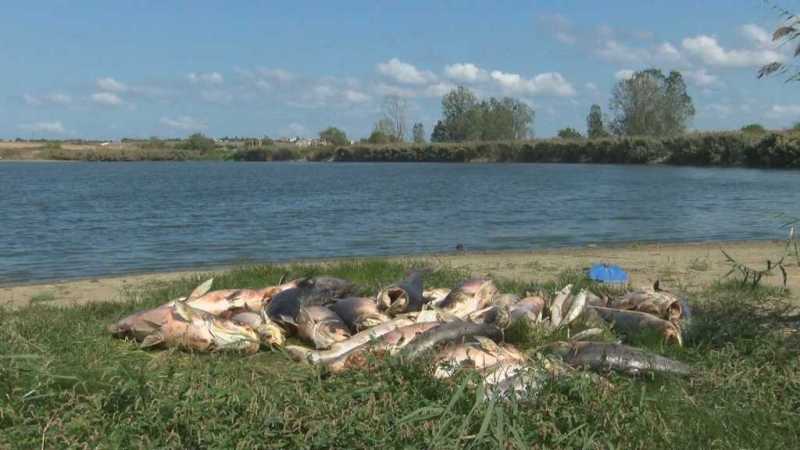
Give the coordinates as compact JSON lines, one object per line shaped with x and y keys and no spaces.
{"x":688,"y":266}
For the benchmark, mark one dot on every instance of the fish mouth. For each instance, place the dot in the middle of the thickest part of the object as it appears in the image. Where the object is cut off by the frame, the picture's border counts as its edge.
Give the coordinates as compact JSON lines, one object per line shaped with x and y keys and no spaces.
{"x":271,"y":335}
{"x":225,"y":338}
{"x":393,"y":300}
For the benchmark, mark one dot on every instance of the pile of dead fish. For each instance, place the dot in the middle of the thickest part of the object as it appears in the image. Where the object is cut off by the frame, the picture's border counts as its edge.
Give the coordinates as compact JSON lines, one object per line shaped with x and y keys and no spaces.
{"x":462,"y":328}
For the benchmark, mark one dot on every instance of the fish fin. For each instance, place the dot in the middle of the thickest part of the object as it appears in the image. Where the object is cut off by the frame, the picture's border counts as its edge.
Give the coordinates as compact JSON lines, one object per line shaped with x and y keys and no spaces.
{"x":183,"y":311}
{"x":201,"y":290}
{"x":152,"y":340}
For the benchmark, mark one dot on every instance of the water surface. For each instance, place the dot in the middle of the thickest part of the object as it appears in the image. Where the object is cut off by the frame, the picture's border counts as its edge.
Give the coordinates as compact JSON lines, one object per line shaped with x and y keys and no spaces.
{"x":89,"y":219}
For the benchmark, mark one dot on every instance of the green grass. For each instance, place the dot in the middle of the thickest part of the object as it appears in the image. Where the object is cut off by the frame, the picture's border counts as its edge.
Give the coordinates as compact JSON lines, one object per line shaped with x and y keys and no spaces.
{"x":43,"y":297}
{"x":64,"y":382}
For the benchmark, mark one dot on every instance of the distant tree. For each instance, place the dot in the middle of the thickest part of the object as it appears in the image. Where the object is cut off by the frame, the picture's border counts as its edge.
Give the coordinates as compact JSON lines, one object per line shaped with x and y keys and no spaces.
{"x":418,"y":132}
{"x":796,"y":126}
{"x":458,"y":111}
{"x":383,"y":132}
{"x":334,"y":136}
{"x":198,"y":141}
{"x":395,"y":109}
{"x":650,"y":104}
{"x":594,"y":123}
{"x":440,"y":133}
{"x":754,"y":128}
{"x":569,"y":133}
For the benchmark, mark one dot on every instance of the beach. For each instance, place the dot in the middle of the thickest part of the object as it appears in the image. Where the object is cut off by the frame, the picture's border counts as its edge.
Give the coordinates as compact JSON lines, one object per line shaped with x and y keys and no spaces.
{"x":688,"y":266}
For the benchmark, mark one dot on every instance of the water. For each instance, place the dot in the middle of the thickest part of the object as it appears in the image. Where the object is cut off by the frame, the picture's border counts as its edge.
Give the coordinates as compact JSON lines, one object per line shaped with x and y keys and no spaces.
{"x":90,"y":219}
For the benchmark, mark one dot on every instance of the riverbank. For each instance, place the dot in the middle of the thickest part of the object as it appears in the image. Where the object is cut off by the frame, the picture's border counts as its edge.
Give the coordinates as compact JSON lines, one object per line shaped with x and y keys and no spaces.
{"x":689,"y":266}
{"x":712,"y":149}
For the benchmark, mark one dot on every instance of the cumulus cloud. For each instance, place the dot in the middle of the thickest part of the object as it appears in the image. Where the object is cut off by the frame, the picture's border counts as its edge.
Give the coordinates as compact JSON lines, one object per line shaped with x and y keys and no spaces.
{"x":109,"y":84}
{"x":551,"y":83}
{"x":756,"y":34}
{"x":701,"y":78}
{"x":783,"y":111}
{"x":354,"y":96}
{"x":185,"y":123}
{"x":615,"y":51}
{"x":403,"y":72}
{"x":439,"y":89}
{"x":708,"y":50}
{"x":466,"y":72}
{"x":55,"y":98}
{"x":217,"y":96}
{"x":55,"y":127}
{"x":209,"y":77}
{"x":560,"y":27}
{"x":106,"y":99}
{"x":624,"y":74}
{"x":668,"y":52}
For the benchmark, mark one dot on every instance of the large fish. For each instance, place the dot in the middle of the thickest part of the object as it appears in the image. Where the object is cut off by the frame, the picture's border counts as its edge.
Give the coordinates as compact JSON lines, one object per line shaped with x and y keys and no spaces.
{"x":603,"y":356}
{"x":529,"y":308}
{"x":468,"y":297}
{"x":142,"y":323}
{"x":659,"y":303}
{"x":226,"y":302}
{"x":479,"y":354}
{"x":321,"y":326}
{"x":359,"y":313}
{"x":285,"y":306}
{"x":634,"y":323}
{"x":389,"y":343}
{"x":338,"y":349}
{"x":405,"y":296}
{"x":191,"y":329}
{"x":435,"y":296}
{"x":450,"y":332}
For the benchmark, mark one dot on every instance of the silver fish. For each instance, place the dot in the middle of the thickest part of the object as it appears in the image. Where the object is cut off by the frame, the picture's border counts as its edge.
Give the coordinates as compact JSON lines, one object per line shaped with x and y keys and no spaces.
{"x":321,"y":326}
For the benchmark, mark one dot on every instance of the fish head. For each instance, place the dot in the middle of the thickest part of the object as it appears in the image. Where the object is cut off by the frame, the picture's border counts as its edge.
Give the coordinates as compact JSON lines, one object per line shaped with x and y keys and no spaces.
{"x":393,"y":300}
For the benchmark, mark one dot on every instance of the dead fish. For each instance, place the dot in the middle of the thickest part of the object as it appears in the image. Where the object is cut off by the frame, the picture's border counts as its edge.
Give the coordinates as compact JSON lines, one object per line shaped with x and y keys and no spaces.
{"x":576,"y":308}
{"x":359,"y":313}
{"x":658,"y":303}
{"x":284,"y":306}
{"x":390,"y":343}
{"x":405,"y":296}
{"x":479,"y":354}
{"x":268,"y":331}
{"x":506,"y":299}
{"x":602,"y":356}
{"x":435,"y":296}
{"x":529,"y":308}
{"x":321,"y":326}
{"x":634,"y":322}
{"x":558,"y":304}
{"x":142,"y":323}
{"x":468,"y":297}
{"x":192,"y":329}
{"x":338,"y":349}
{"x":450,"y":332}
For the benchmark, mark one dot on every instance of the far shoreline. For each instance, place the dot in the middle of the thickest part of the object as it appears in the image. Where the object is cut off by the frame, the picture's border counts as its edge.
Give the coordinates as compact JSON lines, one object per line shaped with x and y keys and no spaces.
{"x":687,"y":265}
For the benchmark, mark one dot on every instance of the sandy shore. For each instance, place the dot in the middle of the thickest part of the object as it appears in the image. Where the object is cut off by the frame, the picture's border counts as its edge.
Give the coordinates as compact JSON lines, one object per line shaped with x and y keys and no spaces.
{"x":685,"y":265}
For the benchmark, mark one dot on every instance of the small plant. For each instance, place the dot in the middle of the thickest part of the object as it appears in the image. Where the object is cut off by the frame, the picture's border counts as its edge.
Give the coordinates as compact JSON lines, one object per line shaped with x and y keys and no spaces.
{"x":751,"y":276}
{"x":43,"y":297}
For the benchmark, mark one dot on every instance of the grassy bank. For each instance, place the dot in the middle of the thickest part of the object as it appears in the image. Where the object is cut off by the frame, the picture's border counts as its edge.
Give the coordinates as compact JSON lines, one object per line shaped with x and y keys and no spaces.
{"x":65,"y":382}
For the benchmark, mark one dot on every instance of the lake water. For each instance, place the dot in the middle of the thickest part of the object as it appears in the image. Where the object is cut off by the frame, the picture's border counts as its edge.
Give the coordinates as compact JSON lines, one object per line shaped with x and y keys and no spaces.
{"x":61,"y":220}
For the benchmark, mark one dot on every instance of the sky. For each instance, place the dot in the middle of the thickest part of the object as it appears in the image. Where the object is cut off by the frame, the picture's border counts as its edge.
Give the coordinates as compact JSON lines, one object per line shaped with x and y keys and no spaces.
{"x":107,"y":70}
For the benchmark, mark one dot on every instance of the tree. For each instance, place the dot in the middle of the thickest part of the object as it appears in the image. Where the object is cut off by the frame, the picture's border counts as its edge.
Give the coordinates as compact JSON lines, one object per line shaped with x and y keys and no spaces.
{"x":418,"y":133}
{"x":784,"y":35}
{"x":650,"y":104}
{"x":394,"y":112}
{"x":458,"y":108}
{"x":383,"y":133}
{"x":594,"y":123}
{"x":198,"y":141}
{"x":754,"y":128}
{"x":440,"y":133}
{"x":334,"y":136}
{"x":569,"y":133}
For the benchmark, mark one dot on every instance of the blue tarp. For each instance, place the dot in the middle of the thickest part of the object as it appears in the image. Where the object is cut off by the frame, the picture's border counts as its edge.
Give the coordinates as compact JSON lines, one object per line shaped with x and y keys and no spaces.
{"x":608,"y":273}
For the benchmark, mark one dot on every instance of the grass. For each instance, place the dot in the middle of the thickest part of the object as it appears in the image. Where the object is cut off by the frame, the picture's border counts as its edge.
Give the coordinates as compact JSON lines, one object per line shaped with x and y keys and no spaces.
{"x":43,"y":297}
{"x":65,"y":383}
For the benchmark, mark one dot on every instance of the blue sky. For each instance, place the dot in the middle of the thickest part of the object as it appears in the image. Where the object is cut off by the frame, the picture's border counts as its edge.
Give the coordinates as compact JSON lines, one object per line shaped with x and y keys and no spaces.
{"x":99,"y":69}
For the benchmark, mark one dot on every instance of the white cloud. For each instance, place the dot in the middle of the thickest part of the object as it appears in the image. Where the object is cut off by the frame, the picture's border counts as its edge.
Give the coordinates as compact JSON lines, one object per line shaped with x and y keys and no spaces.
{"x":561,"y":27}
{"x":44,"y":127}
{"x":185,"y":123}
{"x":466,"y":72}
{"x":720,"y":109}
{"x":390,"y":89}
{"x":210,"y":77}
{"x":615,"y":51}
{"x":708,"y":50}
{"x":56,"y":98}
{"x":216,"y":96}
{"x":590,"y":87}
{"x":668,"y":52}
{"x":277,"y":74}
{"x":624,"y":74}
{"x":439,"y":89}
{"x":551,"y":83}
{"x":402,"y":72}
{"x":109,"y":84}
{"x":107,"y":99}
{"x":701,"y":78}
{"x":354,"y":96}
{"x":756,"y":34}
{"x":781,"y":111}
